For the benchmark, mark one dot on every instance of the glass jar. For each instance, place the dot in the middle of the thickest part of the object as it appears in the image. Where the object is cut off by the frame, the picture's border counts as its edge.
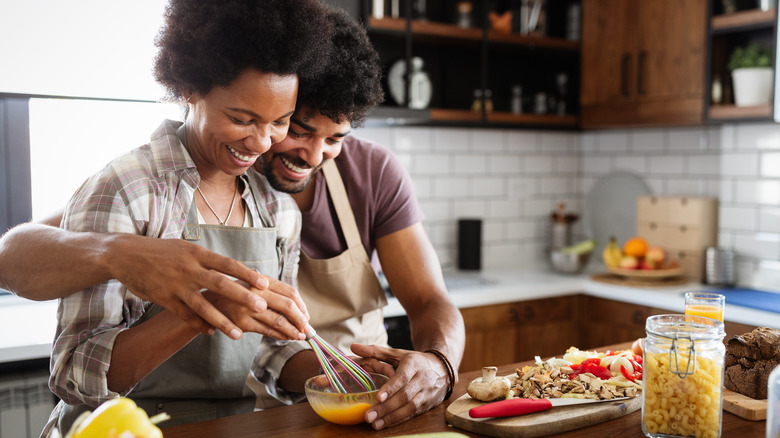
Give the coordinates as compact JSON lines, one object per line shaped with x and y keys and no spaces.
{"x":773,"y":405}
{"x":683,"y":376}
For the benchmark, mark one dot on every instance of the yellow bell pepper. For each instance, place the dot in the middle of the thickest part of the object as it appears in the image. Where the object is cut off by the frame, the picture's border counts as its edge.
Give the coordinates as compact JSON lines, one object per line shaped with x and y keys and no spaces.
{"x":115,"y":417}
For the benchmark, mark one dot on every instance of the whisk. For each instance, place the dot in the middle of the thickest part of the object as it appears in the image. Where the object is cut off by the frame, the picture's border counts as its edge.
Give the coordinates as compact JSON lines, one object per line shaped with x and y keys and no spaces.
{"x":327,"y":355}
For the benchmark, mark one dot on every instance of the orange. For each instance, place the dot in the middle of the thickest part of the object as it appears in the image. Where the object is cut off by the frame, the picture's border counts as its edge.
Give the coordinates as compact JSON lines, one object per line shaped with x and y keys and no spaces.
{"x":635,"y":246}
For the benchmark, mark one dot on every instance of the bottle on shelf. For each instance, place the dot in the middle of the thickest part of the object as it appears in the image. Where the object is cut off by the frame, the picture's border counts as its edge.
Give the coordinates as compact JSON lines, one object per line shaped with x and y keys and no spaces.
{"x":717,"y":90}
{"x":517,"y":100}
{"x":562,"y":90}
{"x":464,"y":13}
{"x":476,"y":105}
{"x":420,"y":89}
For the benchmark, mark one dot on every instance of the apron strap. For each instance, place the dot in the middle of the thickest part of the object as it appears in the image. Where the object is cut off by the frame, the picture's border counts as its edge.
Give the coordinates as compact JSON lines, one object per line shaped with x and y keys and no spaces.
{"x":341,"y":203}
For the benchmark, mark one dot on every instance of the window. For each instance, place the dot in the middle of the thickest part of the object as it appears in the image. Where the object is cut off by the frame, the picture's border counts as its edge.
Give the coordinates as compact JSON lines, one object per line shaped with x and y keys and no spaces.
{"x":72,"y":139}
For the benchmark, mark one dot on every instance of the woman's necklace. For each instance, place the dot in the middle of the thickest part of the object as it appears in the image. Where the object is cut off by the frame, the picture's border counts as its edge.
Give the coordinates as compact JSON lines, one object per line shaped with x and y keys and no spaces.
{"x":232,"y":203}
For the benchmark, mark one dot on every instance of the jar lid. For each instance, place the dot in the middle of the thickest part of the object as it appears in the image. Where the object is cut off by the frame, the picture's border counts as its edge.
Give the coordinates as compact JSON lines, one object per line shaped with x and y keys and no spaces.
{"x":690,"y":327}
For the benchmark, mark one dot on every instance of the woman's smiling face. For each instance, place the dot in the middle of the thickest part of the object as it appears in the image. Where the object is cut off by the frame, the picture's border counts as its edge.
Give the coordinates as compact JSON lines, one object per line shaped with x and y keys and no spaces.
{"x":230,"y":127}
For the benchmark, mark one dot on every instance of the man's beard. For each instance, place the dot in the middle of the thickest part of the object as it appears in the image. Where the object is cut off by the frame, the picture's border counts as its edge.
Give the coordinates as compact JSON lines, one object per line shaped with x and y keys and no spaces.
{"x":284,"y":185}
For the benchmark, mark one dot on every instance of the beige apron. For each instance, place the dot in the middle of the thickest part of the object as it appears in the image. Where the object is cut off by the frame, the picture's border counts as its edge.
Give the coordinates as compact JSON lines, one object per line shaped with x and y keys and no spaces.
{"x":207,"y":378}
{"x":342,"y":293}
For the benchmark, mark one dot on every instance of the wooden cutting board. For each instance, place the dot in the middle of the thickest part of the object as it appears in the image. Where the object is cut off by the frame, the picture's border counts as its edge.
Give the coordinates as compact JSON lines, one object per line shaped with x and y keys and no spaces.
{"x":555,"y":420}
{"x":610,"y":278}
{"x":744,"y":406}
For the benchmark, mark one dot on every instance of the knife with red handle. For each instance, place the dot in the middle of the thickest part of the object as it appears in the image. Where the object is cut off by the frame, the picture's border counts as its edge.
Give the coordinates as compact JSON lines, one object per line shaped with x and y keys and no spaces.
{"x":522,"y":406}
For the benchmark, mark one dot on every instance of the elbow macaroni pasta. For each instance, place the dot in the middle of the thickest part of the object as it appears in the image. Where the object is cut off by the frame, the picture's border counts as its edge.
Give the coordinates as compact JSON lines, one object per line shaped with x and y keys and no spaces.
{"x":689,"y":407}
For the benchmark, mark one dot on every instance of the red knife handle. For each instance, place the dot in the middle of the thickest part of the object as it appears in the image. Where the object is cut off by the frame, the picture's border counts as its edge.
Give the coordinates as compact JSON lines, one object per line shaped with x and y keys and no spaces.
{"x":511,"y":407}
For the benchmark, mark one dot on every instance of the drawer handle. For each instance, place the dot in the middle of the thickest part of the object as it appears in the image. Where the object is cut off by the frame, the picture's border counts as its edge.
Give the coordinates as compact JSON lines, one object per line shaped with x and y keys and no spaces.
{"x":683,"y":228}
{"x":530,"y":313}
{"x":653,"y":225}
{"x":514,"y":315}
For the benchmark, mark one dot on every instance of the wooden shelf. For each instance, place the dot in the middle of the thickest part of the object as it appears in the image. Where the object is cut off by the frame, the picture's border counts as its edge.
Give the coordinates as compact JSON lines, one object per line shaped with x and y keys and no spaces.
{"x":750,"y":19}
{"x":725,"y":112}
{"x":455,"y":115}
{"x":450,"y":31}
{"x":568,"y":120}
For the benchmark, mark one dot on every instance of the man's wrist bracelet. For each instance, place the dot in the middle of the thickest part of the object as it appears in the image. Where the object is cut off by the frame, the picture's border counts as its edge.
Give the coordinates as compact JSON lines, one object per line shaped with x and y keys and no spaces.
{"x":448,"y":367}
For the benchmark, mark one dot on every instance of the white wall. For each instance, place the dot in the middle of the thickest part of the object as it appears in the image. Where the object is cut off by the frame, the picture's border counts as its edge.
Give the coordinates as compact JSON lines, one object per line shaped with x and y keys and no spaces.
{"x":514,"y":179}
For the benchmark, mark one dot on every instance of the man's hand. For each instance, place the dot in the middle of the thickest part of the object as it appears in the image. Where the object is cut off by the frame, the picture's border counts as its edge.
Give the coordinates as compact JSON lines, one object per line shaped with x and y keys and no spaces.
{"x":418,"y":384}
{"x":173,"y":272}
{"x":282,"y":319}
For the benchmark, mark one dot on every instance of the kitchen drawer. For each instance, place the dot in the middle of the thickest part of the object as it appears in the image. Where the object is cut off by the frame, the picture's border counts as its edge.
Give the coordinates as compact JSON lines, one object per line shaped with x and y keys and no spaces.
{"x":652,"y":209}
{"x":692,"y":262}
{"x":681,"y":236}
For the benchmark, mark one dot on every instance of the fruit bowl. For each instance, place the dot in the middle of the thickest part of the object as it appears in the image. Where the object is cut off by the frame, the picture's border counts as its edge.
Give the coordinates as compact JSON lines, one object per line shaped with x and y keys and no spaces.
{"x":568,"y":262}
{"x":342,"y":408}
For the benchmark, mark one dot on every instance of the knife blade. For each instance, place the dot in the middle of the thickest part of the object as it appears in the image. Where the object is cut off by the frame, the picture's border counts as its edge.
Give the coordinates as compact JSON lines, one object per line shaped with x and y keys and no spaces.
{"x":522,"y":406}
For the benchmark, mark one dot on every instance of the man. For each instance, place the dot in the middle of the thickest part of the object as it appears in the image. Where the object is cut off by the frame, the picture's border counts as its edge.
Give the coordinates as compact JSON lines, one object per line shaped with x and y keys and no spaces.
{"x":317,"y":157}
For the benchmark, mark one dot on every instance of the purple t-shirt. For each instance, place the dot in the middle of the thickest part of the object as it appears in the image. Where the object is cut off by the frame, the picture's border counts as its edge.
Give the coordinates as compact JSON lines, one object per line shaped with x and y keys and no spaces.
{"x":380,"y":192}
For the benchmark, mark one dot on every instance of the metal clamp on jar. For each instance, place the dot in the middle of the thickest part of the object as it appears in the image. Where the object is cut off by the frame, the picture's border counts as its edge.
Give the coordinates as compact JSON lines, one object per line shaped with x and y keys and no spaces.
{"x":683,"y":376}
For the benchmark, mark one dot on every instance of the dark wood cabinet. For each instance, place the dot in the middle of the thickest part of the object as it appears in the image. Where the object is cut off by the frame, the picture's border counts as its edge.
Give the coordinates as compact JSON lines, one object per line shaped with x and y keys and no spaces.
{"x":461,"y":60}
{"x":511,"y":332}
{"x":508,"y":333}
{"x":643,"y":62}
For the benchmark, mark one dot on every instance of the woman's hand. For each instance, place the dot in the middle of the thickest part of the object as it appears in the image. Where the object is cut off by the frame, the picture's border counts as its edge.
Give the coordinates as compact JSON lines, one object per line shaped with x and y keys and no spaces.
{"x":418,"y":384}
{"x":172,"y":272}
{"x":283,"y":318}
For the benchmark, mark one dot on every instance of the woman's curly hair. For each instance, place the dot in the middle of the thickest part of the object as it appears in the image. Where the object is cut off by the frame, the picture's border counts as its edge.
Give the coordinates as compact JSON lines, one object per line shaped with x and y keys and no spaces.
{"x":351,"y":83}
{"x":208,"y":43}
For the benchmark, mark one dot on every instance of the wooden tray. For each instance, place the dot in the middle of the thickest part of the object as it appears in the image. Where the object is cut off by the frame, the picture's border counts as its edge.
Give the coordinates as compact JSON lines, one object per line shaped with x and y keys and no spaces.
{"x":647,"y":274}
{"x":743,"y":406}
{"x":555,"y":420}
{"x":607,"y":277}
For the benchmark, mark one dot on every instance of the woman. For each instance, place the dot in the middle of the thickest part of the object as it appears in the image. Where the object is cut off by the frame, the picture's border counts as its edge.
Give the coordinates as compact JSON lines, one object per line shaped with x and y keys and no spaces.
{"x":236,"y":64}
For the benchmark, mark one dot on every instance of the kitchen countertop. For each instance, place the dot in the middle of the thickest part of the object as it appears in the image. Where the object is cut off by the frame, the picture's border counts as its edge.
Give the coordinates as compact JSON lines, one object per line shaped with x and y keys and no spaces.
{"x":300,"y":420}
{"x":32,"y":324}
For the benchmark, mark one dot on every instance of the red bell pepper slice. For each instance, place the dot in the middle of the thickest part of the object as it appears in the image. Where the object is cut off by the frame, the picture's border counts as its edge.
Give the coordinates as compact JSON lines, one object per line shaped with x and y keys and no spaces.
{"x":632,"y":377}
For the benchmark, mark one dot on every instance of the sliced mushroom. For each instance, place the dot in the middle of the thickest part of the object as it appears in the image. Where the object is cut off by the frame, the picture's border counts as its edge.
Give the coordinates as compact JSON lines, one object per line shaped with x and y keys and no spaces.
{"x":489,"y":387}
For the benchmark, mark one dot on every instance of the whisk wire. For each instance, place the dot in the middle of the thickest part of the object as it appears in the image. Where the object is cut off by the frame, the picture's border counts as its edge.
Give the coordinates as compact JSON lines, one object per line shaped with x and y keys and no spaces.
{"x":327,"y":354}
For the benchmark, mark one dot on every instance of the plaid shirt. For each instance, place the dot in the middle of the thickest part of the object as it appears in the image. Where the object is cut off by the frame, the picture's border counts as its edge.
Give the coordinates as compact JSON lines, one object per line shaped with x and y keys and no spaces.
{"x":148,"y":192}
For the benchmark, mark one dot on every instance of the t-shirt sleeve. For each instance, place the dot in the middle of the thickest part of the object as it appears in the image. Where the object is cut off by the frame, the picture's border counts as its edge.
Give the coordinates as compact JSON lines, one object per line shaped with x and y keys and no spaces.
{"x":394,"y":197}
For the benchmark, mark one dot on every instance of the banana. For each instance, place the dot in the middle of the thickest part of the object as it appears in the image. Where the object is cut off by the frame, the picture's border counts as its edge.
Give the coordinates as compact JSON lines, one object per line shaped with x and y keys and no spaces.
{"x":612,"y":254}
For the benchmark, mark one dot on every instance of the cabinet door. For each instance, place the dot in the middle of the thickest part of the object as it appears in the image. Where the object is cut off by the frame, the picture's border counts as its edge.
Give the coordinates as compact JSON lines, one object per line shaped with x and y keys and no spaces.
{"x":608,"y":61}
{"x":670,"y":61}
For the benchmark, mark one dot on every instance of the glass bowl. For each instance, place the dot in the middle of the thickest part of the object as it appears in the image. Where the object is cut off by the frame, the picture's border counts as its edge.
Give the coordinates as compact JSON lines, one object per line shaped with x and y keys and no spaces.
{"x":342,"y":408}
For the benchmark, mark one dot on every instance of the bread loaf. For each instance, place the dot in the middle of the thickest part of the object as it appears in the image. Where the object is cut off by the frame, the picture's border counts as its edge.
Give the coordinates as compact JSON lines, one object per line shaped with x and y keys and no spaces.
{"x":749,"y":360}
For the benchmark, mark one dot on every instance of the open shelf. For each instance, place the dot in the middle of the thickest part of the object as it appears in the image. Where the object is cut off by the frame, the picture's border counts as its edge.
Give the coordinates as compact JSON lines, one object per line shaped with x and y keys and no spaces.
{"x":743,"y":20}
{"x":728,"y":112}
{"x":568,"y":120}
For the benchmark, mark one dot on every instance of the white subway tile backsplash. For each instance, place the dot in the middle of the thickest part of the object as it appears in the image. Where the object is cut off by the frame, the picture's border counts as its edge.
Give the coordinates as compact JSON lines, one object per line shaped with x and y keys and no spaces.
{"x":381,"y":135}
{"x":686,"y":187}
{"x":470,"y":209}
{"x":431,"y":164}
{"x":470,"y":164}
{"x":703,"y":165}
{"x":523,"y":141}
{"x":451,"y":139}
{"x":739,"y":164}
{"x":631,"y":163}
{"x":555,"y":186}
{"x":652,"y":141}
{"x":488,"y":188}
{"x":760,"y":245}
{"x":451,"y":188}
{"x":769,"y":220}
{"x":568,"y":164}
{"x":407,"y":138}
{"x":588,"y":142}
{"x":752,"y":136}
{"x":423,"y":187}
{"x":687,"y":139}
{"x":504,"y":164}
{"x":596,"y":165}
{"x":522,"y":187}
{"x":436,"y":210}
{"x":538,"y":164}
{"x":521,"y":230}
{"x":612,"y":141}
{"x":487,"y":140}
{"x":667,"y":165}
{"x":556,"y":142}
{"x":770,"y":165}
{"x":504,"y":208}
{"x":493,"y":231}
{"x":738,"y":218}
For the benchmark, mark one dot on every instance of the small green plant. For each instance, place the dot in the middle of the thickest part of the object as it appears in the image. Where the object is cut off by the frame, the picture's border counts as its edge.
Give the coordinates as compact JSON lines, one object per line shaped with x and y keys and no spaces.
{"x":754,"y":55}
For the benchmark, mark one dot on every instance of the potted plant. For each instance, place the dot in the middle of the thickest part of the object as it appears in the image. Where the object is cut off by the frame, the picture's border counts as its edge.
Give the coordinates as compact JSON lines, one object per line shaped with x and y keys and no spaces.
{"x":752,"y":74}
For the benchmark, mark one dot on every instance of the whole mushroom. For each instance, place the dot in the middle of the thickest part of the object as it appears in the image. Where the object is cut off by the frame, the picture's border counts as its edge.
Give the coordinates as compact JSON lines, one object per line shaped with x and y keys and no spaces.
{"x":489,"y":387}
